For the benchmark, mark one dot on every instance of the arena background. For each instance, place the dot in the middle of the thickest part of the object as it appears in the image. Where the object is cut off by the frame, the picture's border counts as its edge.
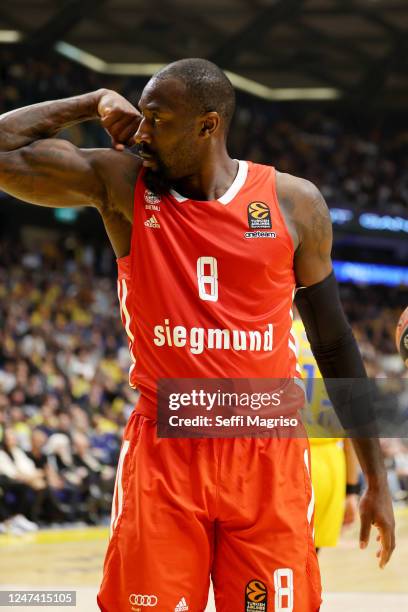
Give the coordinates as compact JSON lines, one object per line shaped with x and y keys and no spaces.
{"x":322,"y":90}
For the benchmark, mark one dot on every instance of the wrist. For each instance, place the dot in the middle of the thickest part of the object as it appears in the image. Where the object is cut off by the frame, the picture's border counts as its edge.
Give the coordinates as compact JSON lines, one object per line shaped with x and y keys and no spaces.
{"x":93,"y":101}
{"x":104,"y":99}
{"x":353,"y":489}
{"x":68,"y":112}
{"x":377,"y":481}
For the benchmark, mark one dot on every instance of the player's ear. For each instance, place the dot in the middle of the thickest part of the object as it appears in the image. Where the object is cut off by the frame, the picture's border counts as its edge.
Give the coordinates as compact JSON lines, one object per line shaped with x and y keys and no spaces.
{"x":210,"y":123}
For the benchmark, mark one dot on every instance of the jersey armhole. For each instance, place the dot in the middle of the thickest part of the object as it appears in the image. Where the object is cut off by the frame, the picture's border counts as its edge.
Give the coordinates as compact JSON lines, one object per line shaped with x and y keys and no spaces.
{"x":124,"y":263}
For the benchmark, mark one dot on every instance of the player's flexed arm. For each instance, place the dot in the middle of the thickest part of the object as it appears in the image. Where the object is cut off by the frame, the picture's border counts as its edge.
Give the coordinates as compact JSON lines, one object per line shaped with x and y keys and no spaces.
{"x":38,"y":168}
{"x":332,"y":342}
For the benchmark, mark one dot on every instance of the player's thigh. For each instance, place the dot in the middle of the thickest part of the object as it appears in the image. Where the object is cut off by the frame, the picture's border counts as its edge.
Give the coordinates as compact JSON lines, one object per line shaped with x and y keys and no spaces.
{"x":160,"y":550}
{"x":264,"y":553}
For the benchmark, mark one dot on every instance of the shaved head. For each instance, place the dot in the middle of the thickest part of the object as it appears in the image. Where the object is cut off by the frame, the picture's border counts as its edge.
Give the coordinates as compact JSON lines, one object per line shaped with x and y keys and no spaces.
{"x":186,"y":111}
{"x":207,"y":87}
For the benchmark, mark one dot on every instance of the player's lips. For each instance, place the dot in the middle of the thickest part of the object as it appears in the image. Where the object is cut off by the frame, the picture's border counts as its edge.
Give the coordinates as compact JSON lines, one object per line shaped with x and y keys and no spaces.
{"x":148,"y":160}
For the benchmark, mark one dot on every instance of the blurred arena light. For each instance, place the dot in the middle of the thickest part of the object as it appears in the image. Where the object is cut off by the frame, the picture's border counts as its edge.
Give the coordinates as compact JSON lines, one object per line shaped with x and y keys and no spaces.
{"x":244,"y":84}
{"x":240,"y":82}
{"x":370,"y":274}
{"x":10,"y":36}
{"x":148,"y":69}
{"x":99,"y":65}
{"x":82,"y":57}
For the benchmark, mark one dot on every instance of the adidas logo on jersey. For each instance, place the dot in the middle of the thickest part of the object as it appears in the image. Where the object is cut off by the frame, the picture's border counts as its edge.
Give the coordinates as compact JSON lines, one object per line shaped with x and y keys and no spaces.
{"x":181,"y":606}
{"x":152,"y":222}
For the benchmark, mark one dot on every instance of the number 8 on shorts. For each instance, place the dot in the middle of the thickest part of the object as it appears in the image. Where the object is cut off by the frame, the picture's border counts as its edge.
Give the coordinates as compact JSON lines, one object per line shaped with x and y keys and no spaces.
{"x":283,"y":582}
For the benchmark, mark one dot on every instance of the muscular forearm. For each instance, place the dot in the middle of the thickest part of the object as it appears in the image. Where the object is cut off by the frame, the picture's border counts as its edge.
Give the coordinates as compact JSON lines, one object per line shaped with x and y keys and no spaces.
{"x":23,"y":126}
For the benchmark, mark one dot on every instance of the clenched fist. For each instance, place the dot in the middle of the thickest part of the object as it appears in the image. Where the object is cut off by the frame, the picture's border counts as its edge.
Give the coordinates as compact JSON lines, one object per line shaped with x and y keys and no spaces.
{"x":119,"y":118}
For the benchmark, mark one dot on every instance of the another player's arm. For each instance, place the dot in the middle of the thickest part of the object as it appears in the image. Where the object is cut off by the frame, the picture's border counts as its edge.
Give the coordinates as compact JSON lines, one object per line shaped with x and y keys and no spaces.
{"x":352,"y":483}
{"x":331,"y":338}
{"x":352,"y":467}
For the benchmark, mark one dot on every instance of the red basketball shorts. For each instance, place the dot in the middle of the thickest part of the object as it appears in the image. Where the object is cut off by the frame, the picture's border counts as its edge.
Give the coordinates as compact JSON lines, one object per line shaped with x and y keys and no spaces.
{"x":238,"y":510}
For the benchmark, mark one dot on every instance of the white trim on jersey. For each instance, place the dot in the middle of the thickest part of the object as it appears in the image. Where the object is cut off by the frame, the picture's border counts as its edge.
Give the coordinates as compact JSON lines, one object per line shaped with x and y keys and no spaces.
{"x":293,"y":344}
{"x":122,"y":294}
{"x":237,"y":184}
{"x":311,"y":505}
{"x":125,"y":310}
{"x":118,"y":491}
{"x":232,"y":190}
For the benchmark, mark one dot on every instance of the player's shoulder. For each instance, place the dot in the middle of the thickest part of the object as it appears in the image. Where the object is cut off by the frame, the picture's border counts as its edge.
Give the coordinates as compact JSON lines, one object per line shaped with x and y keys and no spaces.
{"x":301,"y":200}
{"x":289,"y":185}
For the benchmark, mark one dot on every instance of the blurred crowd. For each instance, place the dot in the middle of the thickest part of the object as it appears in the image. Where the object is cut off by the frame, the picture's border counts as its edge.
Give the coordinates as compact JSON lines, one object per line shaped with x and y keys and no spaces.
{"x":373,"y":312}
{"x":360,"y":166}
{"x":359,"y":163}
{"x":64,"y":393}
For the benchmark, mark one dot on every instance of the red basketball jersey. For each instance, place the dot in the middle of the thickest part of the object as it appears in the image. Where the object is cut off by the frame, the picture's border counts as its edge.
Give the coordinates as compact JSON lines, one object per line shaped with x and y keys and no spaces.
{"x":207,"y":289}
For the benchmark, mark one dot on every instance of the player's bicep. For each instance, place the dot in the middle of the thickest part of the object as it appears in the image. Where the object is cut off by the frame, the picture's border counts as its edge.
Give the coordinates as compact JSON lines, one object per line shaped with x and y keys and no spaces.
{"x":52,"y":172}
{"x":313,"y":256}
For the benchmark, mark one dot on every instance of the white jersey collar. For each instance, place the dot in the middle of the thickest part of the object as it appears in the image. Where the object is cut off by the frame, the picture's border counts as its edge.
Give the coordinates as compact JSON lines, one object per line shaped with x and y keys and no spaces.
{"x":232,"y":190}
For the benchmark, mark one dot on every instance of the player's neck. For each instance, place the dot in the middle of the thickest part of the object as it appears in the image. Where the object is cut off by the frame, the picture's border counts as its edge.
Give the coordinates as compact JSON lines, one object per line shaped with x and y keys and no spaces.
{"x":211,"y":182}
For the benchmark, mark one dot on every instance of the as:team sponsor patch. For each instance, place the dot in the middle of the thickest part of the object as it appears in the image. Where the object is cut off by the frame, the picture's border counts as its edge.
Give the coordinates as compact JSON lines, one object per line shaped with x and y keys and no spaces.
{"x":260,"y":234}
{"x":256,"y":596}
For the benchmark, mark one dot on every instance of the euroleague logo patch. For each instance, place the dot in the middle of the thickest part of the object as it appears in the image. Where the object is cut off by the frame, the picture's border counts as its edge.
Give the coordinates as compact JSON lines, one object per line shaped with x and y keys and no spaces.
{"x":259,"y":216}
{"x":256,"y":596}
{"x":259,"y":219}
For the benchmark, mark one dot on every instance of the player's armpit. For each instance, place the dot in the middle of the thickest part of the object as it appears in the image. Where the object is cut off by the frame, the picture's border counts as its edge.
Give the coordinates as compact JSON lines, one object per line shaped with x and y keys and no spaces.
{"x":119,"y":231}
{"x":53,"y":172}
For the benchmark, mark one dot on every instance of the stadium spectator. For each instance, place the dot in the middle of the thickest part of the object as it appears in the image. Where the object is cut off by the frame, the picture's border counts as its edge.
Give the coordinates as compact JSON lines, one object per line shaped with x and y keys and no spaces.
{"x":23,"y":484}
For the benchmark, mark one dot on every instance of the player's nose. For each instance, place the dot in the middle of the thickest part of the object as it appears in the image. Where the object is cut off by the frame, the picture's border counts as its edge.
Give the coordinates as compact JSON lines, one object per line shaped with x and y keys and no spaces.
{"x":142,"y":134}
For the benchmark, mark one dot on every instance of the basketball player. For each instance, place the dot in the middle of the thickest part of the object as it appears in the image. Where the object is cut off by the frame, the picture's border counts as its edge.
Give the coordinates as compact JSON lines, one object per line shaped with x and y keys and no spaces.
{"x":198,"y":273}
{"x":335,"y":475}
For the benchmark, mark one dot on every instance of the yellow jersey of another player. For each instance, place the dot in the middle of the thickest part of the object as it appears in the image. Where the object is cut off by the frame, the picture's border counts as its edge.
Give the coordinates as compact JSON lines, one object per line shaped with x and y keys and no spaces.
{"x":327,"y":454}
{"x":319,"y":417}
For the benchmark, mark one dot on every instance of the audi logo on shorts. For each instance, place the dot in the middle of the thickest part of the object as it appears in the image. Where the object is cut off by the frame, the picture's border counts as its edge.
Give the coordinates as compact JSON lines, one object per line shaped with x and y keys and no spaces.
{"x":149,"y":601}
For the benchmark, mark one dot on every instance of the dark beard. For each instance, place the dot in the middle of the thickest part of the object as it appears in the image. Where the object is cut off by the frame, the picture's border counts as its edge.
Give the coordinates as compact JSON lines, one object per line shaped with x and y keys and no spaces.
{"x":156,"y":181}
